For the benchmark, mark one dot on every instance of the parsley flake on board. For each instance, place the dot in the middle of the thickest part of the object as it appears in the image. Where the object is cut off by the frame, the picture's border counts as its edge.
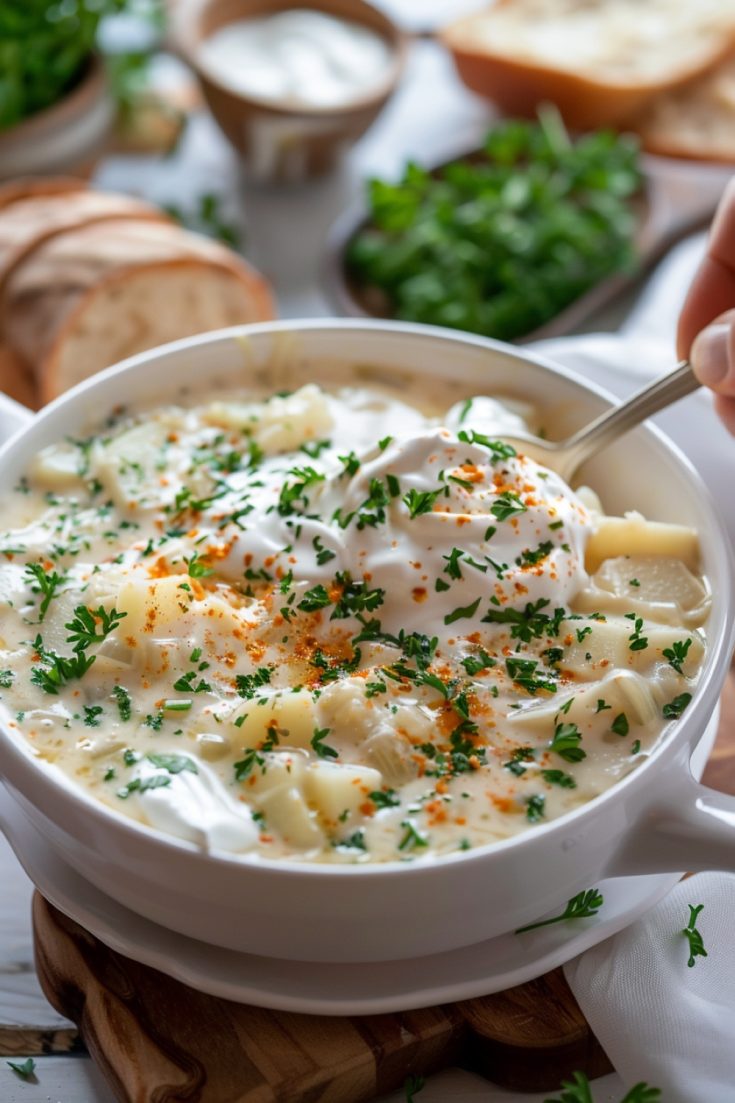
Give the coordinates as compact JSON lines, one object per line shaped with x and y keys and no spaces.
{"x":25,"y":1069}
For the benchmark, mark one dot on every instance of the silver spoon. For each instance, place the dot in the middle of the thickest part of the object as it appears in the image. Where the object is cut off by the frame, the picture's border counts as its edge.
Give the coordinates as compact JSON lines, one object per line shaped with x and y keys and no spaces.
{"x":565,"y":456}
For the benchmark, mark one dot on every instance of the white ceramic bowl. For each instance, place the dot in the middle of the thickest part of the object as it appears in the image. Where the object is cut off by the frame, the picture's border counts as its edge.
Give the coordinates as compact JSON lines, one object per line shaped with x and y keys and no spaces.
{"x":657,"y":819}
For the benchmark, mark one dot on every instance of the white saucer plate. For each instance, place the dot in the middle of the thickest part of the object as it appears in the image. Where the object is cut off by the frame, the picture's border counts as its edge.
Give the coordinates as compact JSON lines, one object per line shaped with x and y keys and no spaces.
{"x":323,"y":989}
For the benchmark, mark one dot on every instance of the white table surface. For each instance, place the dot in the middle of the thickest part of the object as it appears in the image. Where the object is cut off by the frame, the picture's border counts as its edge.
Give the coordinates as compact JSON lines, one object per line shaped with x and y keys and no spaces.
{"x":285,"y":232}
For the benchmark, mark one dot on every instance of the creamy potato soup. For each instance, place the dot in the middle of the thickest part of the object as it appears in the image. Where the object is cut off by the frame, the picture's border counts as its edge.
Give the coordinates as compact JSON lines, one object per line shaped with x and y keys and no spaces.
{"x":333,"y":624}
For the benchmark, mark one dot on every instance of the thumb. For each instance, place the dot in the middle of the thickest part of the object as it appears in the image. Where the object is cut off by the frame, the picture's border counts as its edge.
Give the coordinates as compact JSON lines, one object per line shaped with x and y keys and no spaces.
{"x":713,"y":354}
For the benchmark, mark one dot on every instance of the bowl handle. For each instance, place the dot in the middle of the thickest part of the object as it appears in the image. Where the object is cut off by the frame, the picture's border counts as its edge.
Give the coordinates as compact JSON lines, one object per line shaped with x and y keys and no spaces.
{"x":694,"y":831}
{"x":13,"y":417}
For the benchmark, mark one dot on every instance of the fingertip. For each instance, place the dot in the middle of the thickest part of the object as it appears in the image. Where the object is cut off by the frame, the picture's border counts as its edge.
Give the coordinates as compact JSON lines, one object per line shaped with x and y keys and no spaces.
{"x":710,"y":357}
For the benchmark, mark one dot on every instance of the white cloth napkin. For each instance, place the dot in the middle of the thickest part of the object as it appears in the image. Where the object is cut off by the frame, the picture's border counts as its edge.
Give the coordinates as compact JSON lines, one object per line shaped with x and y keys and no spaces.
{"x":657,"y":1019}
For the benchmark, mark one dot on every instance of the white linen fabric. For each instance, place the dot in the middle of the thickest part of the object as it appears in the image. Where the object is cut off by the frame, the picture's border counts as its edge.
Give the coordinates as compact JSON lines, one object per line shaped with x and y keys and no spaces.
{"x":658,"y":1020}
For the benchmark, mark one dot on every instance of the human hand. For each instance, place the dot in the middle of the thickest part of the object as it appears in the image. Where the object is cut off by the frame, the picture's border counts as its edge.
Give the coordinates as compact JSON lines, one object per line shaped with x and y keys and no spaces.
{"x":706,"y":331}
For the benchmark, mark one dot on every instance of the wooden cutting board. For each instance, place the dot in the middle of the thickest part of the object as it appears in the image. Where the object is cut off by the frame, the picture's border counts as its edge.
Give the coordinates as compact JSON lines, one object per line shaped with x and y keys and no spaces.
{"x":157,"y":1041}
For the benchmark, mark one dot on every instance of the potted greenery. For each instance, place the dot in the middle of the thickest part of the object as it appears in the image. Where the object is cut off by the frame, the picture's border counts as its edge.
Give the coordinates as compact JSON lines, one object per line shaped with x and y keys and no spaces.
{"x":55,"y":109}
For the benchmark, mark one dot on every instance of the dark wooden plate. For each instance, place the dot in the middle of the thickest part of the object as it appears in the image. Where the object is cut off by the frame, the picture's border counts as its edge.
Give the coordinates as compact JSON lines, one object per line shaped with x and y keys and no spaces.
{"x":677,"y":198}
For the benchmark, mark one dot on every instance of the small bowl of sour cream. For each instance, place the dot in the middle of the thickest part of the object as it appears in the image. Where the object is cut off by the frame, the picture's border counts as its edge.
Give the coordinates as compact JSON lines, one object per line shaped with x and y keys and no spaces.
{"x":291,"y":85}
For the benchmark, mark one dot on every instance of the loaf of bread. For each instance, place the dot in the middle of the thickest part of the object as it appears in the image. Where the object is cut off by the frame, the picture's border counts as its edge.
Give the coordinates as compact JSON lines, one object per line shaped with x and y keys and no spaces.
{"x":696,"y":121}
{"x":89,"y":278}
{"x":598,"y":60}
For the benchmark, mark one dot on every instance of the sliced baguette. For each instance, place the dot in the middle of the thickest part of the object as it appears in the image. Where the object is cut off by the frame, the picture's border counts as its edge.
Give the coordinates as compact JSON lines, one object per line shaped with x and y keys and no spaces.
{"x":697,"y":121}
{"x":598,"y":60}
{"x":85,"y":299}
{"x":32,"y":219}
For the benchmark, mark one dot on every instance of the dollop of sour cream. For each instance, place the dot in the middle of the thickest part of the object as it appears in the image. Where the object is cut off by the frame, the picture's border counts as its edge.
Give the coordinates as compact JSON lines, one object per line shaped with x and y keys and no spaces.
{"x":299,"y":57}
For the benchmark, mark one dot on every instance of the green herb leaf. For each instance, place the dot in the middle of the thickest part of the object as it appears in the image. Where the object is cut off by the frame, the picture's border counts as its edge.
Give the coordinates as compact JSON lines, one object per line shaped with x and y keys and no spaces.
{"x":582,"y":906}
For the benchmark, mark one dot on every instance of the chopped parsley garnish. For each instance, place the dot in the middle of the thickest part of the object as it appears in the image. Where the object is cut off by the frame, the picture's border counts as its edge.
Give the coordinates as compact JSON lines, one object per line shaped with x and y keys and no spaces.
{"x":247,"y":685}
{"x":462,"y":612}
{"x":174,"y":763}
{"x":45,"y":583}
{"x":535,"y":808}
{"x":529,"y":558}
{"x":320,"y":747}
{"x":420,"y":501}
{"x":314,"y":599}
{"x":637,"y":641}
{"x":582,"y":906}
{"x":323,"y":555}
{"x":677,"y":653}
{"x":198,"y":567}
{"x":507,"y":505}
{"x":517,"y":758}
{"x":244,"y":767}
{"x":558,"y":777}
{"x":523,"y":672}
{"x":350,"y":463}
{"x":620,"y":724}
{"x":355,"y":841}
{"x":674,"y":709}
{"x":142,"y":785}
{"x":530,"y":624}
{"x":6,"y":679}
{"x":92,"y":715}
{"x":83,"y":628}
{"x":474,"y":664}
{"x":499,"y":449}
{"x":602,"y":705}
{"x":412,"y":838}
{"x":385,"y":798}
{"x":124,"y":706}
{"x":693,"y":936}
{"x":566,"y":742}
{"x":295,"y":492}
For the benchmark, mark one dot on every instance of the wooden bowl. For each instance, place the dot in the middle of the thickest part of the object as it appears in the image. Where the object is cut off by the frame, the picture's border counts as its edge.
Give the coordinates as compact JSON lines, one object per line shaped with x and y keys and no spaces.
{"x":676,"y":199}
{"x":280,"y":142}
{"x":67,"y":137}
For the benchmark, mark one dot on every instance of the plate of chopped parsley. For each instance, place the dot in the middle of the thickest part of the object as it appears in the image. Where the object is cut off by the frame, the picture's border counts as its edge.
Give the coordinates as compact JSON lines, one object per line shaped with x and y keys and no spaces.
{"x":520,"y":239}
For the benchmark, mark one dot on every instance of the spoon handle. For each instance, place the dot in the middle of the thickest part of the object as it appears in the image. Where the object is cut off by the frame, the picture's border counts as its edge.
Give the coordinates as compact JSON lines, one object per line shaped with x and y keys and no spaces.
{"x":613,"y":423}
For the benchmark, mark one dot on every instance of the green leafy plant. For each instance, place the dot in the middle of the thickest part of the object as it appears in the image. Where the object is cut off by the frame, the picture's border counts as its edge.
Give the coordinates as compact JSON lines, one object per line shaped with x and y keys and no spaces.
{"x":45,"y":47}
{"x":501,"y":242}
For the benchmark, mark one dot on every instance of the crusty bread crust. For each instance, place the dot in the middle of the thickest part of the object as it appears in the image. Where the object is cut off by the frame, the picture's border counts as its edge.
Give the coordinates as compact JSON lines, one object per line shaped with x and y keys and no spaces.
{"x":27,"y":222}
{"x":696,"y":121}
{"x":50,"y":299}
{"x":25,"y":187}
{"x":515,"y":71}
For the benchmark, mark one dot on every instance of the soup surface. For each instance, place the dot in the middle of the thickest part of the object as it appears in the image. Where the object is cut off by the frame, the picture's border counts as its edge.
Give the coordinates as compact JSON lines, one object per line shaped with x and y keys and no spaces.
{"x":331,"y":624}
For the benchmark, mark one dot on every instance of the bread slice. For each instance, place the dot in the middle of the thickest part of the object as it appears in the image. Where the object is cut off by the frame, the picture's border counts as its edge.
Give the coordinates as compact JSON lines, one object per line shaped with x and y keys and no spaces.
{"x":696,"y":121}
{"x":598,"y":60}
{"x":85,"y":299}
{"x":25,"y":187}
{"x":30,"y":220}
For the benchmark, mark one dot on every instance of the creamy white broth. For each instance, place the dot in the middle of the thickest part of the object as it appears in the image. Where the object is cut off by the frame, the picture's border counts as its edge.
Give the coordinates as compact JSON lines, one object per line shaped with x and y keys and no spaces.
{"x":335,"y":625}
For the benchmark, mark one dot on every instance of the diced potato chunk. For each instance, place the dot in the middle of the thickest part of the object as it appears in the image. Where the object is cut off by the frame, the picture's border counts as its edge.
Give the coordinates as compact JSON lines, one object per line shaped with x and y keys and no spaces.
{"x":623,"y":691}
{"x":58,"y":467}
{"x":290,"y":715}
{"x":338,"y":789}
{"x":281,"y":423}
{"x":286,"y":812}
{"x":609,"y":645}
{"x":279,"y":769}
{"x":633,"y":535}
